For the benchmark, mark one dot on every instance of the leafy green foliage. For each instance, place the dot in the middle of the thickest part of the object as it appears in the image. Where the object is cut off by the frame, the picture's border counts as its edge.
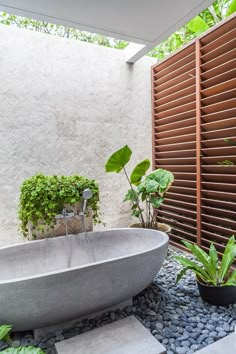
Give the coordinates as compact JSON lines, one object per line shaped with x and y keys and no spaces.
{"x":197,"y":25}
{"x":139,"y":171}
{"x":23,"y":350}
{"x":4,"y":332}
{"x":215,"y":13}
{"x":43,"y":197}
{"x":231,"y":8}
{"x":61,"y":31}
{"x":5,"y":336}
{"x":207,"y":266}
{"x":118,"y":160}
{"x":146,"y":192}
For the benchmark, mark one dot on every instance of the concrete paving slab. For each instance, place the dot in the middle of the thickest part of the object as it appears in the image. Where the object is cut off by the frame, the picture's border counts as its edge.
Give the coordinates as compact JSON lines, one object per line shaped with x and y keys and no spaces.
{"x":226,"y":345}
{"x":126,"y":336}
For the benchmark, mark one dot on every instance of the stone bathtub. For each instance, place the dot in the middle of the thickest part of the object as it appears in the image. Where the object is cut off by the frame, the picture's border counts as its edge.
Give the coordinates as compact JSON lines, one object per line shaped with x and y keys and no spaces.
{"x":37,"y":289}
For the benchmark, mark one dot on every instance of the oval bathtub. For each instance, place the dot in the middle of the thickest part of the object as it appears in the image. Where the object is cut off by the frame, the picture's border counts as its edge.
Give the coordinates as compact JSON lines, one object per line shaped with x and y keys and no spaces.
{"x":37,"y":289}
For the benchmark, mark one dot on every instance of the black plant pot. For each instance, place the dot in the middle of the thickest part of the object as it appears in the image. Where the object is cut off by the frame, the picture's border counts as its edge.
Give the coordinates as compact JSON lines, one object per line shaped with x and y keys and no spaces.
{"x":217,"y":295}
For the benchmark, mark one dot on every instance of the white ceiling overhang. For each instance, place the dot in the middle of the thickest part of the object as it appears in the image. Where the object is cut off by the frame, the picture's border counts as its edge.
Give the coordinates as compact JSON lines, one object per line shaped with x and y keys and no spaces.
{"x":147,"y":22}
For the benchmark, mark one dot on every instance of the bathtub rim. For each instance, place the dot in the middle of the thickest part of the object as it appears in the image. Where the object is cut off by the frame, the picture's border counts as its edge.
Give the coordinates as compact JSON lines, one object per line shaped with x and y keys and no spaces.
{"x":87,"y":265}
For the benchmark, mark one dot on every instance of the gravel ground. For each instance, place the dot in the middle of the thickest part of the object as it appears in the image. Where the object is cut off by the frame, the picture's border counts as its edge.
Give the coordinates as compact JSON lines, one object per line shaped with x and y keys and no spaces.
{"x":174,"y":314}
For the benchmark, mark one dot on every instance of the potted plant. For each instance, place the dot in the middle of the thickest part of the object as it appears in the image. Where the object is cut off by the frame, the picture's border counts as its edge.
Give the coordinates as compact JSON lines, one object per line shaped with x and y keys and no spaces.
{"x":42,"y":199}
{"x":147,"y":191}
{"x":216,"y":280}
{"x":5,"y":337}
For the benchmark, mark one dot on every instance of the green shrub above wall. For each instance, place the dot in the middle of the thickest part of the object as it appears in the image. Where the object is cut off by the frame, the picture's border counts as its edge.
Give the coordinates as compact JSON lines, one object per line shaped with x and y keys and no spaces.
{"x":43,"y":197}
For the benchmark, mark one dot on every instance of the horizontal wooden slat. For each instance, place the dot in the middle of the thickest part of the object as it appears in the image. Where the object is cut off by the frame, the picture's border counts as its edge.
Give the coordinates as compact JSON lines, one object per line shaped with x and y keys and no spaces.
{"x":176,"y":132}
{"x":223,"y":86}
{"x":219,"y":50}
{"x":224,"y":114}
{"x":219,"y":195}
{"x":217,"y":228}
{"x":189,"y":145}
{"x":224,"y":178}
{"x":173,"y":103}
{"x":219,"y":212}
{"x":223,"y":96}
{"x":173,"y":154}
{"x":177,"y":187}
{"x":213,"y":160}
{"x":217,"y":203}
{"x":178,"y":168}
{"x":175,"y":95}
{"x":228,"y":65}
{"x":177,"y":139}
{"x":220,"y":134}
{"x":158,"y":94}
{"x":220,"y":124}
{"x":178,"y":216}
{"x":175,"y":73}
{"x":219,"y":151}
{"x":180,"y":109}
{"x":219,"y":221}
{"x":218,"y":142}
{"x":176,"y":58}
{"x":219,"y":60}
{"x":220,"y":40}
{"x":175,"y":125}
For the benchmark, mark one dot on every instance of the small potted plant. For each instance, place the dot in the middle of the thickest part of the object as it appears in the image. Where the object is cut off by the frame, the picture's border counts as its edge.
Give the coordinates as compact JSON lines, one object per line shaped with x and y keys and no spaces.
{"x":216,"y":280}
{"x":147,"y":191}
{"x":43,"y":198}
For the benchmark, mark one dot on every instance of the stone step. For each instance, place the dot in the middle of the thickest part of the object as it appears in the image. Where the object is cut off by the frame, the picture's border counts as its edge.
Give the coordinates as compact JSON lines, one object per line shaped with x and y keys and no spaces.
{"x":226,"y":345}
{"x":126,"y":336}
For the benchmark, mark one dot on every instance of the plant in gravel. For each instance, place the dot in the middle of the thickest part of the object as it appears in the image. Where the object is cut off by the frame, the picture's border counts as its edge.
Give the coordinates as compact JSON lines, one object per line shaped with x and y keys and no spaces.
{"x":5,"y":337}
{"x":207,"y":266}
{"x":43,"y":197}
{"x":147,"y":191}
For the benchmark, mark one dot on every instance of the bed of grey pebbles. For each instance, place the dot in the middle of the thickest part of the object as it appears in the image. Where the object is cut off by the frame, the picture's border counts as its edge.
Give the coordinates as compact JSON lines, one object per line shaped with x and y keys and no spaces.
{"x":174,"y":314}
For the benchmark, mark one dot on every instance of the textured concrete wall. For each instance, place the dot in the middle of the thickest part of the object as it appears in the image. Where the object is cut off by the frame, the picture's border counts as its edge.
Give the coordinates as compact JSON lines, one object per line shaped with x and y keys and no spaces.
{"x":65,"y":107}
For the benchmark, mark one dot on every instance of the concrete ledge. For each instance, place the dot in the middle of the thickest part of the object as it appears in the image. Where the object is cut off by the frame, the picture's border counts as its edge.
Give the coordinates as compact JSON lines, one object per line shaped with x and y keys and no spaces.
{"x":225,"y":345}
{"x":127,"y":336}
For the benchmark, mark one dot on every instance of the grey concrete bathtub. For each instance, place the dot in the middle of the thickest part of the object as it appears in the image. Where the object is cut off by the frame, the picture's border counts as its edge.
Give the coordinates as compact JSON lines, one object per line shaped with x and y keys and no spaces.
{"x":37,"y":289}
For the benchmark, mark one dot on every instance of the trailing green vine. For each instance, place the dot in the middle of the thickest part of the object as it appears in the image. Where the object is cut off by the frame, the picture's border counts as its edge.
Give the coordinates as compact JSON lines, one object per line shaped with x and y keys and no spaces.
{"x":43,"y":197}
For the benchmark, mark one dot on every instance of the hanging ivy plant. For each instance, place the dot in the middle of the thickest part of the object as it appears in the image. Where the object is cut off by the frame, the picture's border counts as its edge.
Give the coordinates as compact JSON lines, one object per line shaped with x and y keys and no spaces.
{"x":43,"y":197}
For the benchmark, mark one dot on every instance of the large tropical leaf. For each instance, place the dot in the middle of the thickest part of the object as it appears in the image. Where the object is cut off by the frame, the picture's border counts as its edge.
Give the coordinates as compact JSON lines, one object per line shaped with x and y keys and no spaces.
{"x":232,"y":279}
{"x":204,"y":259}
{"x":23,"y":350}
{"x":139,"y":171}
{"x":187,"y":263}
{"x":163,"y":177}
{"x":131,"y":196}
{"x":231,"y":8}
{"x":118,"y":160}
{"x":197,"y":25}
{"x":4,"y":332}
{"x":214,"y":260}
{"x":227,"y":259}
{"x":156,"y":202}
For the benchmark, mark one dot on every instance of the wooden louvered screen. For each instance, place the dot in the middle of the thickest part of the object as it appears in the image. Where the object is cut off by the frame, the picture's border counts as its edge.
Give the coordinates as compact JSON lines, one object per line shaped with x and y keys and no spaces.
{"x":194,"y":110}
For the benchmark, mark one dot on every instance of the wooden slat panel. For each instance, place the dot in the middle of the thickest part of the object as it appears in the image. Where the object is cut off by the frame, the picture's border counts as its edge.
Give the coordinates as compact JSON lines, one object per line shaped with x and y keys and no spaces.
{"x":194,"y":100}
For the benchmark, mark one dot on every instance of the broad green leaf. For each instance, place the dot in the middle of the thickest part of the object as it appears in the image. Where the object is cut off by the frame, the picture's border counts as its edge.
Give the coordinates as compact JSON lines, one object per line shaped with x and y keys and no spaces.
{"x":227,"y":259}
{"x":231,"y":8}
{"x":156,"y":202}
{"x":197,"y":25}
{"x":151,"y":186}
{"x":139,"y":171}
{"x":232,"y":279}
{"x":23,"y":350}
{"x":203,"y":258}
{"x":4,"y":332}
{"x":163,"y":177}
{"x":118,"y":160}
{"x":194,"y":267}
{"x":131,"y":196}
{"x":214,"y":260}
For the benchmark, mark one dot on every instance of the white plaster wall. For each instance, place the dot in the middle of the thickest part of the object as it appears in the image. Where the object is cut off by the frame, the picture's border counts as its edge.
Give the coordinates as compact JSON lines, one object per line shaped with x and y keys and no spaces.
{"x":65,"y":106}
